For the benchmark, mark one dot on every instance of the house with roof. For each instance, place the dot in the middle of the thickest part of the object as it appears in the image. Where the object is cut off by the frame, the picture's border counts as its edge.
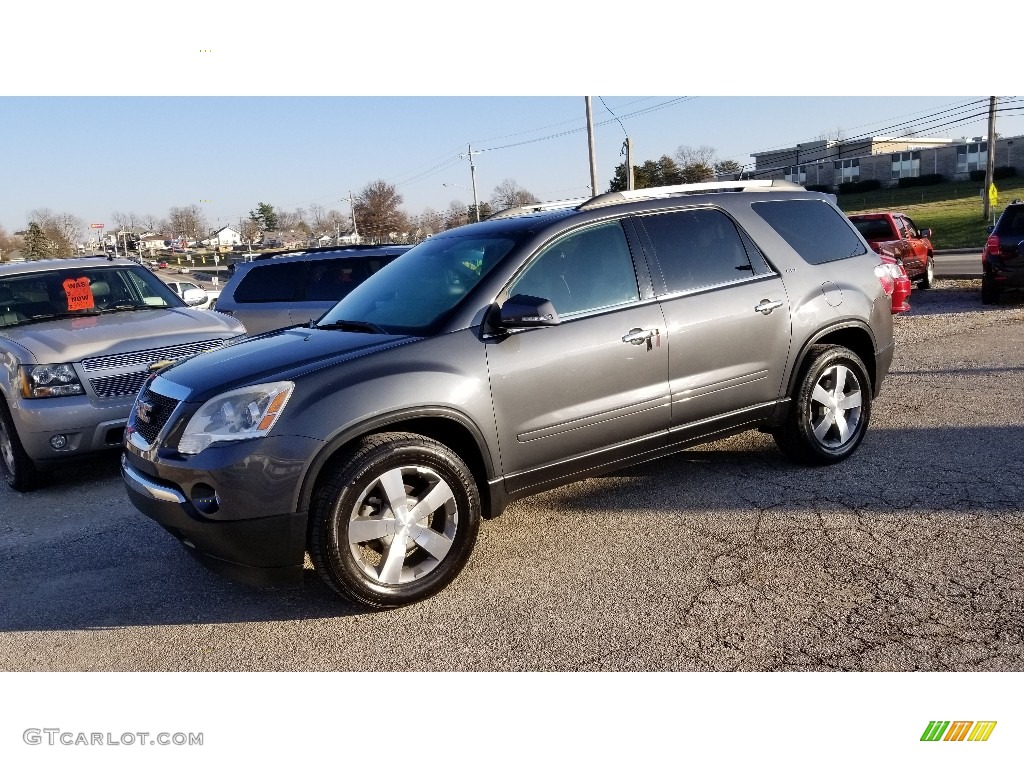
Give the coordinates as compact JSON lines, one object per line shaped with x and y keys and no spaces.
{"x":225,"y":236}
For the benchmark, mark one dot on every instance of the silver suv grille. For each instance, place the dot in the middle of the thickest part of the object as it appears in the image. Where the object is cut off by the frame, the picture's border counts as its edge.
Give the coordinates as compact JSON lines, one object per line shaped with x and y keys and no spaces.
{"x":148,"y":356}
{"x":121,"y":385}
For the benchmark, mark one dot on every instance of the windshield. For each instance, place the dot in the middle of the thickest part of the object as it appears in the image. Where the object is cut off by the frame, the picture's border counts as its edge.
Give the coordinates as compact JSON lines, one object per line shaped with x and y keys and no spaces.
{"x":71,"y":292}
{"x":414,"y":293}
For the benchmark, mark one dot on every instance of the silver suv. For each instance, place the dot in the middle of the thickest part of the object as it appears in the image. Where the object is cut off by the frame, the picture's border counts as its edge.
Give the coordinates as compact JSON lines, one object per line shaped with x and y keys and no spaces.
{"x":77,"y":338}
{"x":503,"y":358}
{"x":276,"y":290}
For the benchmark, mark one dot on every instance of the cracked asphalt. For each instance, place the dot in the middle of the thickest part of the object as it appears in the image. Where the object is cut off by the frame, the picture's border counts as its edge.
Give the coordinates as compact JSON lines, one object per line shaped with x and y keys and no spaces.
{"x":908,"y":556}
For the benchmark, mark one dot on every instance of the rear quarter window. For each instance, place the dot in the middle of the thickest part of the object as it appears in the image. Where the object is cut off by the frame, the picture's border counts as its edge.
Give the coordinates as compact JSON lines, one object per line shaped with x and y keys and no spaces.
{"x":812,"y":228}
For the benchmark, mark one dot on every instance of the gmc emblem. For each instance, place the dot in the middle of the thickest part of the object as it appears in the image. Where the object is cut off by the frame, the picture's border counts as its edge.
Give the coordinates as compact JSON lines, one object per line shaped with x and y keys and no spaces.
{"x":143,"y":410}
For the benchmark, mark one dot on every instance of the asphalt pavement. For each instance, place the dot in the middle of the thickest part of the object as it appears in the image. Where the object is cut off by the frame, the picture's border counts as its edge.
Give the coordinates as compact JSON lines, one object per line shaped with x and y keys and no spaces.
{"x":907,"y":556}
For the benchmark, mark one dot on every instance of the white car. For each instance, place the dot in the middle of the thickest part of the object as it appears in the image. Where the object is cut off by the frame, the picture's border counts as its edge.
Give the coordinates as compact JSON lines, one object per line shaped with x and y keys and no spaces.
{"x":193,"y":295}
{"x":183,"y":270}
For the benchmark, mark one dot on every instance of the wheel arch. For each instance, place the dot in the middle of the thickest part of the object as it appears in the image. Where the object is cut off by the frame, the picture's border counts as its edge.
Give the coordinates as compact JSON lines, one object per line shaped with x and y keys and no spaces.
{"x":447,"y":426}
{"x":853,"y":335}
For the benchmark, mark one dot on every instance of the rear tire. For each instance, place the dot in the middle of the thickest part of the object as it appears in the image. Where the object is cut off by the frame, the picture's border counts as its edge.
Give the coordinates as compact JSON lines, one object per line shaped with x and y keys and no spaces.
{"x":19,"y":471}
{"x":395,"y":521}
{"x":989,"y":293}
{"x":831,"y":407}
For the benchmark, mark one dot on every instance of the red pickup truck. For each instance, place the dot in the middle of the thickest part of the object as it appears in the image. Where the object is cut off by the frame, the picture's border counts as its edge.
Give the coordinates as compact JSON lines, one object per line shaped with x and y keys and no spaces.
{"x":895,"y":234}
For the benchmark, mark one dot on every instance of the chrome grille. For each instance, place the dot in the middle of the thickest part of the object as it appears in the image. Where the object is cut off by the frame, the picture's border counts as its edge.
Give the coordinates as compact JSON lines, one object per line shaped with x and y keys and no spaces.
{"x":148,"y":356}
{"x":121,"y":385}
{"x":159,"y":412}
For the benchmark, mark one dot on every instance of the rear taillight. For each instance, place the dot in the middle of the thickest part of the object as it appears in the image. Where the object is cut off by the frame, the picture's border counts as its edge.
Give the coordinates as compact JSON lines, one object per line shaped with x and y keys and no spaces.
{"x":887,"y":277}
{"x":991,"y":246}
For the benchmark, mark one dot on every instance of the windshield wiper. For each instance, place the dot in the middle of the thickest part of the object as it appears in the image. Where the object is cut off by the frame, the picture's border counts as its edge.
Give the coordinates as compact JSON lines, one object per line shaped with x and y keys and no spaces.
{"x":126,"y":308}
{"x":356,"y":326}
{"x":58,"y":316}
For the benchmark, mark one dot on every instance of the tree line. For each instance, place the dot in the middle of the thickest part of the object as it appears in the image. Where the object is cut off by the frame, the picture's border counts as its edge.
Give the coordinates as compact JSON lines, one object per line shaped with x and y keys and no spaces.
{"x":377,"y":210}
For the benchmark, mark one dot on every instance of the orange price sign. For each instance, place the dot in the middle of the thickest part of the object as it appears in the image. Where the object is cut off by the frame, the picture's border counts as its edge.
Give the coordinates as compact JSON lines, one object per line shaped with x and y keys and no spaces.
{"x":79,"y":293}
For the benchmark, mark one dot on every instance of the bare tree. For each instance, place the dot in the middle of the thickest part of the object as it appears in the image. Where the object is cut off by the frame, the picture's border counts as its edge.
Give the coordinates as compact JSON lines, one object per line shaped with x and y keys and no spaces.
{"x":378,"y":211}
{"x":456,"y":215}
{"x":431,"y":221}
{"x":509,"y":194}
{"x":9,"y":243}
{"x":189,"y":222}
{"x":696,"y":165}
{"x":64,"y":231}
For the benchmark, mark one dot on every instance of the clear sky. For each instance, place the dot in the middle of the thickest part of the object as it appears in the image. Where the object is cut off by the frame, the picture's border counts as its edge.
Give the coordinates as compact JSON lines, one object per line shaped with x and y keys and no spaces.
{"x":91,"y":156}
{"x":129,"y":108}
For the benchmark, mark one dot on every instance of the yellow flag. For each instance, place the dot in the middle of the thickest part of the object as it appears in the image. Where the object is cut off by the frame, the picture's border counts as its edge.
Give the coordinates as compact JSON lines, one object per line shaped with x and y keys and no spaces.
{"x":993,"y":195}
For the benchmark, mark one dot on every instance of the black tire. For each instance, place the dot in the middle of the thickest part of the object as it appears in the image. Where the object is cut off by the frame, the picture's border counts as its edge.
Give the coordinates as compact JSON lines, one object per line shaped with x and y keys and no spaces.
{"x":815,"y":407}
{"x":989,"y":293}
{"x":18,"y":470}
{"x":929,"y":274}
{"x":359,"y":486}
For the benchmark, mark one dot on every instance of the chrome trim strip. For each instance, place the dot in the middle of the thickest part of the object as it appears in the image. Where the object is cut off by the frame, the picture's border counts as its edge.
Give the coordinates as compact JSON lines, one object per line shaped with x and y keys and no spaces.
{"x":147,"y":487}
{"x":162,"y":386}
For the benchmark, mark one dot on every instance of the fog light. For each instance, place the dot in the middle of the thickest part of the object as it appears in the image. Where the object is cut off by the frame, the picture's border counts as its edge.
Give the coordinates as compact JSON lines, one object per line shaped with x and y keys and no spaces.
{"x":205,"y":499}
{"x":58,"y":441}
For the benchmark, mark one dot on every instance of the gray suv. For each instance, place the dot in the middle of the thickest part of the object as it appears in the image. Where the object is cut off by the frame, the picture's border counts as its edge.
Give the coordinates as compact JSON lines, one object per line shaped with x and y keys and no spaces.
{"x":503,"y":358}
{"x":77,"y":338}
{"x":276,"y":290}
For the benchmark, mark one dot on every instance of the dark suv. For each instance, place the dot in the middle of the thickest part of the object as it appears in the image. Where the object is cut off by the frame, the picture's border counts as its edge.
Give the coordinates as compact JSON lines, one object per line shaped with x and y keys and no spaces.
{"x":503,"y":358}
{"x":276,"y":290}
{"x":1002,"y":260}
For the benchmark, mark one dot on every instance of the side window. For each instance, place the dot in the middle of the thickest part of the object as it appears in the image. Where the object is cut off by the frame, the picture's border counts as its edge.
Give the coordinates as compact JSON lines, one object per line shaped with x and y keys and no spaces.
{"x":270,"y":282}
{"x":901,"y":227}
{"x":697,"y":248}
{"x":812,"y":228}
{"x":586,"y":270}
{"x":332,"y":279}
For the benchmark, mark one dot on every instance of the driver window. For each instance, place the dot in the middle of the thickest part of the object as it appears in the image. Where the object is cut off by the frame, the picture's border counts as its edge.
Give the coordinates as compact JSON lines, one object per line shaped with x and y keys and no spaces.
{"x":584,"y":271}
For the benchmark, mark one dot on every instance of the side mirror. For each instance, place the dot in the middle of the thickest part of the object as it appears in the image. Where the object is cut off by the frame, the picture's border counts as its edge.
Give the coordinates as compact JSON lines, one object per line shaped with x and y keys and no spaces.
{"x":990,"y":228}
{"x":522,"y":311}
{"x":926,"y":233}
{"x":194,"y":296}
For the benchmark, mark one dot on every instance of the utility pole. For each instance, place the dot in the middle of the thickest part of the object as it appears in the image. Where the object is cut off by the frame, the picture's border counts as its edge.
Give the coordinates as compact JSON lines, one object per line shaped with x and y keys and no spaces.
{"x":630,"y":181}
{"x":472,"y":175}
{"x":990,"y":156}
{"x":590,"y":143}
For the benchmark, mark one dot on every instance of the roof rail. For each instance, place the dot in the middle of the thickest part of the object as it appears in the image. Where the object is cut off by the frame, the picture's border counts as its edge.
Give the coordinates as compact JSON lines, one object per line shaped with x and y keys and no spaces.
{"x":650,"y":193}
{"x":537,"y":208}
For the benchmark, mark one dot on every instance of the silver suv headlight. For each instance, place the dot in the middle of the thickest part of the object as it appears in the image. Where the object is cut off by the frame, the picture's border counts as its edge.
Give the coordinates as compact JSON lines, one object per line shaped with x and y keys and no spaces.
{"x":50,"y":381}
{"x":241,"y":414}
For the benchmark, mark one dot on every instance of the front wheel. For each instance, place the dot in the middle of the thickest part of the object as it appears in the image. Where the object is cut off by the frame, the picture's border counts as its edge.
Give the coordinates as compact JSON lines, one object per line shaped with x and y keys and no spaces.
{"x":928,"y":280}
{"x":18,"y":470}
{"x":395,"y":521}
{"x":830,"y":410}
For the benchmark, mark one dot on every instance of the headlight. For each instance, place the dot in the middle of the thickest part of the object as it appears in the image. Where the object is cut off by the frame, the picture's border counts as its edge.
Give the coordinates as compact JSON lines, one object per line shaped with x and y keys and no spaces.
{"x":50,"y":381}
{"x":240,"y":414}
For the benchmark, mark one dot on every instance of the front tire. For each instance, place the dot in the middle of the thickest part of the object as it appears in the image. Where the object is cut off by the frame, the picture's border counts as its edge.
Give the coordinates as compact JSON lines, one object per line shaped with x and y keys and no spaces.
{"x":928,"y":281}
{"x":396,"y":520}
{"x":831,"y":407}
{"x":19,"y":471}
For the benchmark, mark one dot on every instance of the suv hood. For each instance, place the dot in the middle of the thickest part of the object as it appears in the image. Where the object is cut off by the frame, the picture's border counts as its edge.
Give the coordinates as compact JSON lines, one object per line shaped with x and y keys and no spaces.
{"x":72,"y":339}
{"x":282,"y":354}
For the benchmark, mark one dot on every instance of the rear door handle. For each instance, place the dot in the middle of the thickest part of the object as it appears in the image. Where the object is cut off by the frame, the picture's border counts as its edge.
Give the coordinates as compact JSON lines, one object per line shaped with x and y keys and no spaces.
{"x":766,"y":307}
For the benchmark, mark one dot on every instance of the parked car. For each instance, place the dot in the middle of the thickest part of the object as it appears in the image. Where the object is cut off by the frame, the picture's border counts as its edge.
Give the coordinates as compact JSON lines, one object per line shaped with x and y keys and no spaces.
{"x":276,"y":290}
{"x":162,"y":265}
{"x":502,"y":358}
{"x":1002,"y":260}
{"x":192,"y":294}
{"x":77,"y":339}
{"x":182,"y":270}
{"x":898,"y":234}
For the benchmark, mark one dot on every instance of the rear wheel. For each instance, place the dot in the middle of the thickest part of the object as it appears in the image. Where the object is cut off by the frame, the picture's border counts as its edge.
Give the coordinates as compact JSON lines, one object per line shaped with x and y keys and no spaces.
{"x":18,"y":469}
{"x":830,"y":410}
{"x":396,"y":520}
{"x":929,"y":274}
{"x":989,"y":292}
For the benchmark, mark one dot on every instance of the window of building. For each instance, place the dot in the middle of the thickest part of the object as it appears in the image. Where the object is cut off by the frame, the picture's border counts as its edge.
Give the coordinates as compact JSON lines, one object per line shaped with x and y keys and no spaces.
{"x":847,"y":170}
{"x":795,"y":173}
{"x":971,"y":157}
{"x":906,"y":165}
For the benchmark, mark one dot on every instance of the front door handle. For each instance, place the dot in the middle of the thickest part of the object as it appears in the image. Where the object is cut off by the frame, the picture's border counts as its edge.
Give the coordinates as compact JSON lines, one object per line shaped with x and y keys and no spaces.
{"x":766,"y":307}
{"x":640,"y":336}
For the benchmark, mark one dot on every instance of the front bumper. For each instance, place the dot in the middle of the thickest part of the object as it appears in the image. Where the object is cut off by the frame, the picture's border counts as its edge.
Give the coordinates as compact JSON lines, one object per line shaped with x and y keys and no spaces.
{"x":234,"y":506}
{"x":85,"y":427}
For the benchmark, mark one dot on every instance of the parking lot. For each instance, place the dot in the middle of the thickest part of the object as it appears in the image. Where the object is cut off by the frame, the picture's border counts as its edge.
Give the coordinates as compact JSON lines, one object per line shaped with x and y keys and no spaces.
{"x":908,"y":556}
